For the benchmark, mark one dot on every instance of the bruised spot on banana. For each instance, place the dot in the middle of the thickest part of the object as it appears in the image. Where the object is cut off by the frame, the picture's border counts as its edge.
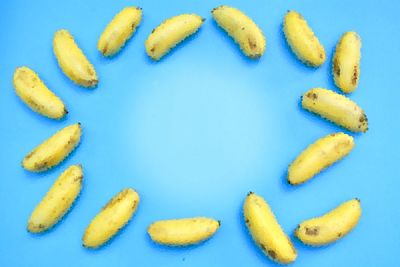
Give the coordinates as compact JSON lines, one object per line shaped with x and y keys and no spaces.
{"x":53,"y":150}
{"x":183,"y":232}
{"x":318,"y":156}
{"x":119,"y":31}
{"x":242,"y":29}
{"x":266,"y":231}
{"x":72,"y":61}
{"x":112,"y":217}
{"x":335,"y":108}
{"x":171,"y":32}
{"x":346,"y":62}
{"x":57,"y":201}
{"x":331,"y":226}
{"x":34,"y":93}
{"x":302,"y":40}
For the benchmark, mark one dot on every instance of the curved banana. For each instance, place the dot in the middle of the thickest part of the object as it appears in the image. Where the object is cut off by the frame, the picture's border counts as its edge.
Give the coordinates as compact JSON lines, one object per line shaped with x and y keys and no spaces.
{"x":346,"y":62}
{"x":57,"y":201}
{"x":171,"y":32}
{"x":331,"y":226}
{"x":72,"y":61}
{"x":302,"y":40}
{"x":318,"y":156}
{"x":183,"y":232}
{"x":31,"y":89}
{"x":266,"y":231}
{"x":335,"y":108}
{"x":119,"y":30}
{"x":53,"y":150}
{"x":112,"y":217}
{"x":242,"y":29}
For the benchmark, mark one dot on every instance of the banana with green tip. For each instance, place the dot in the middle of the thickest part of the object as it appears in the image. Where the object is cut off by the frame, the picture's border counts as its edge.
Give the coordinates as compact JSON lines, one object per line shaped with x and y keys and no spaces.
{"x":53,"y":150}
{"x":266,"y":231}
{"x":171,"y":32}
{"x":72,"y":61}
{"x":183,"y":232}
{"x":331,"y":226}
{"x":57,"y":201}
{"x":242,"y":29}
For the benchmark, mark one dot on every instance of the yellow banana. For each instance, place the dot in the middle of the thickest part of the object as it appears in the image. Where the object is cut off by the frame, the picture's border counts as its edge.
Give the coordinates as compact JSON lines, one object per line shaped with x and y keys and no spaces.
{"x":171,"y":32}
{"x":112,"y":217}
{"x":72,"y":61}
{"x":242,"y":29}
{"x":302,"y":40}
{"x":331,"y":226}
{"x":183,"y":232}
{"x":119,"y":30}
{"x":57,"y":201}
{"x":53,"y":150}
{"x":335,"y":108}
{"x":266,"y":231}
{"x":31,"y":89}
{"x":318,"y":156}
{"x":346,"y":62}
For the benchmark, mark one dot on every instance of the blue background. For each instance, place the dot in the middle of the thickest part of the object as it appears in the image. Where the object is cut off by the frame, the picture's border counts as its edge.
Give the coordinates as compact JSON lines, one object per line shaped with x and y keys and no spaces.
{"x":196,"y":131}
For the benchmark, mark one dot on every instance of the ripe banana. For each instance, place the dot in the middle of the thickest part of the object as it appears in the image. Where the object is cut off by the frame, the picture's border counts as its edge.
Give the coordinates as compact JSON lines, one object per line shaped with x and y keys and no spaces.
{"x":346,"y":62}
{"x":171,"y":32}
{"x":242,"y":29}
{"x":318,"y":156}
{"x":302,"y":40}
{"x":57,"y":201}
{"x":119,"y":30}
{"x":72,"y":61}
{"x":183,"y":232}
{"x":53,"y":150}
{"x":335,"y":108}
{"x":31,"y":89}
{"x":331,"y":226}
{"x":266,"y":231}
{"x":112,"y":217}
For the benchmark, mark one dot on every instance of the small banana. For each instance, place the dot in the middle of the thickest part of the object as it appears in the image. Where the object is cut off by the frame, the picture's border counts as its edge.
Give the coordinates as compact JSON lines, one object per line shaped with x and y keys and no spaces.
{"x":331,"y":226}
{"x":72,"y":61}
{"x":346,"y":62}
{"x":171,"y":32}
{"x":242,"y":29}
{"x":57,"y":201}
{"x":31,"y":89}
{"x":119,"y":30}
{"x":53,"y":150}
{"x":335,"y":108}
{"x":112,"y":217}
{"x":266,"y":231}
{"x":302,"y":40}
{"x":318,"y":156}
{"x":183,"y":232}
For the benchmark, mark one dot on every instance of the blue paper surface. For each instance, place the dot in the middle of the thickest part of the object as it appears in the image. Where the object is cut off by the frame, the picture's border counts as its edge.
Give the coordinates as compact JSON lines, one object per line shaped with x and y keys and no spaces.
{"x":196,"y":131}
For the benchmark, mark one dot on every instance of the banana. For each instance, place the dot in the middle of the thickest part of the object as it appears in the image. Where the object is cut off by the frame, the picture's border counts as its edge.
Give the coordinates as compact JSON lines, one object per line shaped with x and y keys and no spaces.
{"x":302,"y":40}
{"x":31,"y":89}
{"x":112,"y":217}
{"x":72,"y":61}
{"x":242,"y":29}
{"x":346,"y":62}
{"x":335,"y":108}
{"x":331,"y":226}
{"x":183,"y":232}
{"x":57,"y":201}
{"x":266,"y":231}
{"x":171,"y":32}
{"x":53,"y":150}
{"x":318,"y":156}
{"x":119,"y":30}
